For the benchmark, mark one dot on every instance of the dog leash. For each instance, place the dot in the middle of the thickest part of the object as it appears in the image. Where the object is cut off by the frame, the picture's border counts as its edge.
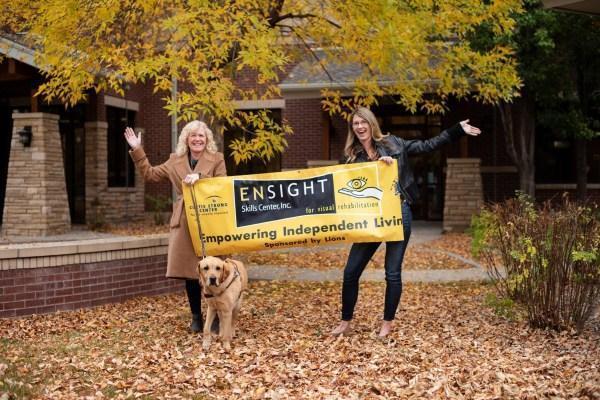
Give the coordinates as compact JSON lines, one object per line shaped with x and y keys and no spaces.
{"x":198,"y":222}
{"x":237,"y":272}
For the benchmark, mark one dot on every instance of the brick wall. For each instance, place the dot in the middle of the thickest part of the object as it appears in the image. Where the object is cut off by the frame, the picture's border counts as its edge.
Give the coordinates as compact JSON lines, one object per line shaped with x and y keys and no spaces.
{"x":155,"y":121}
{"x":50,"y":289}
{"x":50,"y":277}
{"x":305,"y":117}
{"x":36,"y":194}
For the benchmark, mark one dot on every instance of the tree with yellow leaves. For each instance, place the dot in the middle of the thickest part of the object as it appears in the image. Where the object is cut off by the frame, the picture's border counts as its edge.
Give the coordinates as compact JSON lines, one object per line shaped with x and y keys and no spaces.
{"x":406,"y":48}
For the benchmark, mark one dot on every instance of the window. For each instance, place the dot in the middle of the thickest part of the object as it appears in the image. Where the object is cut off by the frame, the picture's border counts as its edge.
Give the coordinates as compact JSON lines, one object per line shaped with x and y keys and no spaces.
{"x":254,"y":166}
{"x":121,"y":171}
{"x":556,"y":159}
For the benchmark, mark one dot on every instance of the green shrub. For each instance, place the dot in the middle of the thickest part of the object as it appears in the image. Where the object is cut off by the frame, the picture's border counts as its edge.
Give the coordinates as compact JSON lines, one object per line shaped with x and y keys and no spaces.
{"x":502,"y":306}
{"x":546,"y":258}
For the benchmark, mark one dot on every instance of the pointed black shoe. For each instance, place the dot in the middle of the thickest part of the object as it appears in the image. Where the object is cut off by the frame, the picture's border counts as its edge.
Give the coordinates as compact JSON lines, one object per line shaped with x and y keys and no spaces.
{"x":197,"y":323}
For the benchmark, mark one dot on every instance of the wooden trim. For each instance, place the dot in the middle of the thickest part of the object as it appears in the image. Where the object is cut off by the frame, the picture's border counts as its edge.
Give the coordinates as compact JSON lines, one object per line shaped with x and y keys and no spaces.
{"x":564,"y":186}
{"x":258,"y":104}
{"x":499,"y":169}
{"x":121,"y":103}
{"x":17,"y":51}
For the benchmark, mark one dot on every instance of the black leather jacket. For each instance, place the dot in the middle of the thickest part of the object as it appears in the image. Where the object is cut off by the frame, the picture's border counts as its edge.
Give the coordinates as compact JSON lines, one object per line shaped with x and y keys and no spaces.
{"x":400,"y":149}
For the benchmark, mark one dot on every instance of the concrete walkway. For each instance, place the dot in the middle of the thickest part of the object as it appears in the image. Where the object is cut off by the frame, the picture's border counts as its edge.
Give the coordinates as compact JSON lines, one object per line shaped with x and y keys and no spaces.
{"x":273,"y":272}
{"x":422,"y":232}
{"x":77,"y":233}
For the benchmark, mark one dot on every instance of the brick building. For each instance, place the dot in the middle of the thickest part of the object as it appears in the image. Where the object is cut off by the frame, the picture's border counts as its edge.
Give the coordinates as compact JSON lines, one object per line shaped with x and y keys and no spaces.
{"x":99,"y":184}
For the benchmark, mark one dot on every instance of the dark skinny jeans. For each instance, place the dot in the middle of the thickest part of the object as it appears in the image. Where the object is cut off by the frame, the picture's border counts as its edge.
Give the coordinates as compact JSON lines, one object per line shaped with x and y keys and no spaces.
{"x":359,"y":257}
{"x":193,"y":290}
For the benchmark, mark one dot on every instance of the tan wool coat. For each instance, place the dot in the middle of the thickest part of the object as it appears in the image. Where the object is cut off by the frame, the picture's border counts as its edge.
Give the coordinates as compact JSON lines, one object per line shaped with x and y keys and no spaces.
{"x":181,"y":257}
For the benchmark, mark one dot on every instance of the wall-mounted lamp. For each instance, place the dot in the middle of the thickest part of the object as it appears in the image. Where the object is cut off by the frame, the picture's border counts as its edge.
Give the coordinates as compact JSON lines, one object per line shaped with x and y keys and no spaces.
{"x":25,"y":135}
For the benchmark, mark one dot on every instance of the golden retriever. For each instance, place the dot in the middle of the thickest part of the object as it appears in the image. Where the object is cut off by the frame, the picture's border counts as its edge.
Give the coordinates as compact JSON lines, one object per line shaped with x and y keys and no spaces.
{"x":223,"y":284}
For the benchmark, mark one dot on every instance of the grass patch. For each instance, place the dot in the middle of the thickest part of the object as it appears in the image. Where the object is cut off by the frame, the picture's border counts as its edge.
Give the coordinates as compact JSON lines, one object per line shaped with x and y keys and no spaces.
{"x":503,"y":307}
{"x":15,"y":382}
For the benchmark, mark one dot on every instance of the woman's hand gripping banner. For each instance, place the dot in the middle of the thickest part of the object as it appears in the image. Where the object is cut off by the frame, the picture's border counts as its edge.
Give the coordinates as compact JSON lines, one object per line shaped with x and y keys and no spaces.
{"x":341,"y":203}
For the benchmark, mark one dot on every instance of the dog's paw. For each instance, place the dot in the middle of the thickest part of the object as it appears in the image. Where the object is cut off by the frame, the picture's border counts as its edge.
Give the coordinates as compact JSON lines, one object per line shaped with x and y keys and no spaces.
{"x":206,"y":344}
{"x":226,"y":346}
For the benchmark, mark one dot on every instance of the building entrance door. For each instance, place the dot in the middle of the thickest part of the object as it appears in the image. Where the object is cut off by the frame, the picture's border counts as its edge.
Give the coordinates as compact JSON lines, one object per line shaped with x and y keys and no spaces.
{"x":73,"y":145}
{"x":72,"y":139}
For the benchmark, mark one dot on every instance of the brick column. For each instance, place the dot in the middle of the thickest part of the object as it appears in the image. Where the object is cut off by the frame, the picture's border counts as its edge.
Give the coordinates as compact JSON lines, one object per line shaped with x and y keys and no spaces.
{"x":464,"y":193}
{"x":96,"y":171}
{"x":36,"y":201}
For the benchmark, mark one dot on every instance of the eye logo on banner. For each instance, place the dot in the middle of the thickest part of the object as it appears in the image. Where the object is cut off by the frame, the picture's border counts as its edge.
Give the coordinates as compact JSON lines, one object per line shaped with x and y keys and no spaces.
{"x":259,"y":201}
{"x":356,"y":188}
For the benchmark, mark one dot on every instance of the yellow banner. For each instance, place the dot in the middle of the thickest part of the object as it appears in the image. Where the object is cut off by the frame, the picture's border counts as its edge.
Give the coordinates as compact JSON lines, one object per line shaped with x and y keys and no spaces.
{"x":309,"y":207}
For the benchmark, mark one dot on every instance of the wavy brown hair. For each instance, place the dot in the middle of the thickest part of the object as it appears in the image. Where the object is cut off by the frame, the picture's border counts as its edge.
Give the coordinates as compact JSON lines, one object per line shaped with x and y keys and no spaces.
{"x":353,"y":145}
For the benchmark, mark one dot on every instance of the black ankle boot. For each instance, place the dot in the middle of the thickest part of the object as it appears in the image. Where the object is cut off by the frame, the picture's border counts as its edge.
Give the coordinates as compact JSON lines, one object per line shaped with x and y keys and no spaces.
{"x":197,"y":323}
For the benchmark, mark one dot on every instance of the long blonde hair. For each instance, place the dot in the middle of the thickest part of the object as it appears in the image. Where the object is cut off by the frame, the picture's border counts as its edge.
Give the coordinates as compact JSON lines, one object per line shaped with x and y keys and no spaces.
{"x":193,"y":126}
{"x":353,"y":145}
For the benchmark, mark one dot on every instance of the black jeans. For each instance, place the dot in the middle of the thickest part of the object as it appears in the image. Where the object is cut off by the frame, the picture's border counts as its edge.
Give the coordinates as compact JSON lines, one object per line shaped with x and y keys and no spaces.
{"x":359,"y":257}
{"x":194,"y":295}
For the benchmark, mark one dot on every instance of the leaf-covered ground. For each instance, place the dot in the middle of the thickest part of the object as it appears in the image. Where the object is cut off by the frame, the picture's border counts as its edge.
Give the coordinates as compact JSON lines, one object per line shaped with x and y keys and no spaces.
{"x":446,"y":344}
{"x":138,"y":228}
{"x":429,"y":255}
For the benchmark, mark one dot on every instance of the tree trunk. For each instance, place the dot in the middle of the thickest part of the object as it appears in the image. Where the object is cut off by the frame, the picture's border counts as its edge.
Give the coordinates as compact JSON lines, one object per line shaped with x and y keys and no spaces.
{"x":527,"y":181}
{"x":518,"y":121}
{"x":581,"y":155}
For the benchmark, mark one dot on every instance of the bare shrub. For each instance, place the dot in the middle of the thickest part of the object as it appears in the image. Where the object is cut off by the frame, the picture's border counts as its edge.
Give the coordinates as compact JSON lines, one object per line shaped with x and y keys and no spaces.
{"x":546,"y":258}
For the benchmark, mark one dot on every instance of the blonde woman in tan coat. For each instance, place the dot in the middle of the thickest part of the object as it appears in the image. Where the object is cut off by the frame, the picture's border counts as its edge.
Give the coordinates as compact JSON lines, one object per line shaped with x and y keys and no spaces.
{"x":196,"y":157}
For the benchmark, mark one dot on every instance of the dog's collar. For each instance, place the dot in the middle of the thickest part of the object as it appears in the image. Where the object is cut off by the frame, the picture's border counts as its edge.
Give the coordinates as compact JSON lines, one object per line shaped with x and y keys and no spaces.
{"x":235,"y":275}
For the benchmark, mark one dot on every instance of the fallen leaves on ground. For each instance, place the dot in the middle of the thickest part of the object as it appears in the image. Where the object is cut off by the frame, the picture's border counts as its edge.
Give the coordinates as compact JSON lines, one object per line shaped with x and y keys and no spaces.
{"x":437,"y":254}
{"x":445,"y":345}
{"x":457,"y":243}
{"x":138,"y":228}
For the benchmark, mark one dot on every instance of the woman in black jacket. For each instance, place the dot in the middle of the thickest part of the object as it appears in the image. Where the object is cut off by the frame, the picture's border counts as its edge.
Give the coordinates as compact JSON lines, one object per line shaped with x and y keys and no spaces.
{"x":366,"y":142}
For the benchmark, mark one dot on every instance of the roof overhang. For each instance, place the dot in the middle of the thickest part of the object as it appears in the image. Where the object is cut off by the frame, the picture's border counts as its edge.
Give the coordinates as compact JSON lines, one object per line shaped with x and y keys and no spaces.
{"x":591,"y":7}
{"x":313,"y":90}
{"x":17,"y":51}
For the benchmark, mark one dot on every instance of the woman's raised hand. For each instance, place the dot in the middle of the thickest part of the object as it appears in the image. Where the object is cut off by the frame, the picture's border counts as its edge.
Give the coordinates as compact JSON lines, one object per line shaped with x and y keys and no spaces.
{"x":469,"y":129}
{"x":133,"y":140}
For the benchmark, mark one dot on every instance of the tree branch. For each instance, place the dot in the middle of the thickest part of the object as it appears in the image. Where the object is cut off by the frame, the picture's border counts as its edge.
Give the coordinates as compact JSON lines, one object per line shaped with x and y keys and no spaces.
{"x":313,"y":54}
{"x":274,"y":20}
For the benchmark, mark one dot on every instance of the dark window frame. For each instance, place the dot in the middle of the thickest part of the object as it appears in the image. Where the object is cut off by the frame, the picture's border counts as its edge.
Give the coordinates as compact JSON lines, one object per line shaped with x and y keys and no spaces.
{"x":120,"y":168}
